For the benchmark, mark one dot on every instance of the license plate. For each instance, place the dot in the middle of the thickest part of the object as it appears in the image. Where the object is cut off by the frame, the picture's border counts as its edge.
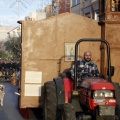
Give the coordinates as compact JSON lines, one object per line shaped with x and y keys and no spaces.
{"x":99,"y":100}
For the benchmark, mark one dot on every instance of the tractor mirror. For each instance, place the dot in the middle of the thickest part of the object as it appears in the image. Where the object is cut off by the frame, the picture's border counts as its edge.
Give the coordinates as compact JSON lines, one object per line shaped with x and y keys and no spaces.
{"x":112,"y":71}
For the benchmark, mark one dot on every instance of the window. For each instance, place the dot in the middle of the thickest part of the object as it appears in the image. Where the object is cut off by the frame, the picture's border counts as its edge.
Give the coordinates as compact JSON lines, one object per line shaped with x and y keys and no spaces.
{"x":115,"y":5}
{"x":88,"y":3}
{"x":87,"y":15}
{"x":78,"y":1}
{"x":73,"y":2}
{"x":96,"y":17}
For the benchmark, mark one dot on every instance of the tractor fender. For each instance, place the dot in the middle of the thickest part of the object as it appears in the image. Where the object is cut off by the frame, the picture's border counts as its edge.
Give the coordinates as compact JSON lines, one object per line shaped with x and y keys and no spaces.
{"x":68,"y":88}
{"x":64,"y":88}
{"x":59,"y":92}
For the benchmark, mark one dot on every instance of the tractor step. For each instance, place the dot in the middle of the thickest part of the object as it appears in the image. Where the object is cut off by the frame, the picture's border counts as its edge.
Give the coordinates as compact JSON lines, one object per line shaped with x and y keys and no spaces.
{"x":84,"y":117}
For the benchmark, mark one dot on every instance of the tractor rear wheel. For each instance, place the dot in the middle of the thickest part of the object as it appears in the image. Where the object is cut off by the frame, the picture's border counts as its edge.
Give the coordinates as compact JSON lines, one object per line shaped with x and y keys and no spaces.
{"x":69,"y":112}
{"x":50,"y":101}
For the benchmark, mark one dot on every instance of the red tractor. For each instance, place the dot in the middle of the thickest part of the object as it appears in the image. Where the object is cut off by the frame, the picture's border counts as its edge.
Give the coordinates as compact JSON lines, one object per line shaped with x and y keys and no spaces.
{"x":96,"y":98}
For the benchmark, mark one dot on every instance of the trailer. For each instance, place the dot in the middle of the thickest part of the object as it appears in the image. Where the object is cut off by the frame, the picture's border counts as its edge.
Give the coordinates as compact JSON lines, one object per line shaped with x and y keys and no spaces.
{"x":45,"y":52}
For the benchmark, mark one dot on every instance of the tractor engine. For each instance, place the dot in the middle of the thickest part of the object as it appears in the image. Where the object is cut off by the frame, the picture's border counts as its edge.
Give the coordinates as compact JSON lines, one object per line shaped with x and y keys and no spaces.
{"x":97,"y":95}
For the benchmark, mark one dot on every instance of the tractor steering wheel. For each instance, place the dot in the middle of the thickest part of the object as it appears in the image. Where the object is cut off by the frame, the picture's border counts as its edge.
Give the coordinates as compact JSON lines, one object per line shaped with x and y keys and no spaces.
{"x":85,"y":75}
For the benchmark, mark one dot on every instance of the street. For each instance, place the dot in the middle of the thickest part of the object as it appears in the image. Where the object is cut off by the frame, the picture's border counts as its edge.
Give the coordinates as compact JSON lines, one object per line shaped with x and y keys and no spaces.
{"x":9,"y":110}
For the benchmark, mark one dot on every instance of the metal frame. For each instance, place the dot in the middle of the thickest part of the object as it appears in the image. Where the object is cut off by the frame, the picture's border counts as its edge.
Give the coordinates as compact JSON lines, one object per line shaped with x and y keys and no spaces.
{"x":76,"y":56}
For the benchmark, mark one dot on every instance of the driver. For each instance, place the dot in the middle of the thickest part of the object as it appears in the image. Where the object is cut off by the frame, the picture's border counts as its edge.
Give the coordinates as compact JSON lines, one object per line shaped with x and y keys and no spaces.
{"x":85,"y":66}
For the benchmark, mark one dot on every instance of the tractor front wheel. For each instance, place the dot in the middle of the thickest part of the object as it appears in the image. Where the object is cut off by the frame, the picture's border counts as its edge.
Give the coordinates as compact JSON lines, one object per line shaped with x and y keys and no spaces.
{"x":69,"y":112}
{"x":97,"y":117}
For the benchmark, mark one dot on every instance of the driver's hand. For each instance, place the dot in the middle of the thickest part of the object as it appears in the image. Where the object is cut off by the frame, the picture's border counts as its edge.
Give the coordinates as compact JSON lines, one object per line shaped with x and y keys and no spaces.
{"x":79,"y":81}
{"x":100,"y":75}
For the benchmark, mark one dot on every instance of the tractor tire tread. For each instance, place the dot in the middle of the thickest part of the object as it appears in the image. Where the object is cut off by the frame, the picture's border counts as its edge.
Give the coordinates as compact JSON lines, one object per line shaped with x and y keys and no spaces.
{"x":51,"y":100}
{"x":69,"y":112}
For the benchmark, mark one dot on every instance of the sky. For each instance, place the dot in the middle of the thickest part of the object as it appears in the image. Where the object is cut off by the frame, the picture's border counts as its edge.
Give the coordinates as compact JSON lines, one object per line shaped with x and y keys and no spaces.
{"x":12,"y":11}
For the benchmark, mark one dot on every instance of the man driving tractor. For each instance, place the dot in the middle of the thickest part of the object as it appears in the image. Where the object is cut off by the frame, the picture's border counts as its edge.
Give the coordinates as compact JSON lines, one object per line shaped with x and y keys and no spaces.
{"x":85,"y":67}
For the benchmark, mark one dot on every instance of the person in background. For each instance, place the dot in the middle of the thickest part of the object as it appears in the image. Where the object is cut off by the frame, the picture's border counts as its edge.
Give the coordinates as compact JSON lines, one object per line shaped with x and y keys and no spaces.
{"x":12,"y":67}
{"x":5,"y":68}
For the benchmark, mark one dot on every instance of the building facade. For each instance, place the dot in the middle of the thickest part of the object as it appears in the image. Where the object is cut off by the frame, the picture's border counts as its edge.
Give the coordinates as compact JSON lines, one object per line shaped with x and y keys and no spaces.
{"x":60,"y":6}
{"x":76,"y":7}
{"x":88,"y":8}
{"x":3,"y":32}
{"x":37,"y":15}
{"x":48,"y":10}
{"x":95,"y":9}
{"x":15,"y":32}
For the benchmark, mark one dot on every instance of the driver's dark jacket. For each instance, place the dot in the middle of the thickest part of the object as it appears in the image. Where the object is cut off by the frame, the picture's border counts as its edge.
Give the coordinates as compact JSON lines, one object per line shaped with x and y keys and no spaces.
{"x":84,"y":67}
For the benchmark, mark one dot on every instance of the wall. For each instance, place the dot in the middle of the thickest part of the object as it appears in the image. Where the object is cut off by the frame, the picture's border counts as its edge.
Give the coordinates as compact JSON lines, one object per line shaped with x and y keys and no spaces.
{"x":110,"y":31}
{"x":112,"y":35}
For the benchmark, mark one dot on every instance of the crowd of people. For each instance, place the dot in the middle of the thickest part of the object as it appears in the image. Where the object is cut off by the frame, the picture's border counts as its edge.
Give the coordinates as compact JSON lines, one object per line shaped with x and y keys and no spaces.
{"x":7,"y":68}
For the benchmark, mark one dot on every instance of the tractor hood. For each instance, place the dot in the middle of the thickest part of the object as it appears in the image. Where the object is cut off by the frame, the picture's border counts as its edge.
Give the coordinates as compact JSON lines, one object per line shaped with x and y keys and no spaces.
{"x":97,"y":84}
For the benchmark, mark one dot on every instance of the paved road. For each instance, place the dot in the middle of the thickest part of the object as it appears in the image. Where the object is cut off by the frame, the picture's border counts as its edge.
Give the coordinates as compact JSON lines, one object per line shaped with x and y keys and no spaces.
{"x":9,"y":110}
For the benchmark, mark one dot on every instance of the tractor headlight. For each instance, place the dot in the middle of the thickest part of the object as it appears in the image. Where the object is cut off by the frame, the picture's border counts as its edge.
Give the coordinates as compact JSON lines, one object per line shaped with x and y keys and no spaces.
{"x":98,"y":94}
{"x":109,"y":94}
{"x":103,"y":94}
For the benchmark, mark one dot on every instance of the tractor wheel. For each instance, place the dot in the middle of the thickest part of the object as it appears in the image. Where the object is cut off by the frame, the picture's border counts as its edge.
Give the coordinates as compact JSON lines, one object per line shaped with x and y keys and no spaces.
{"x":97,"y":117}
{"x":50,"y":101}
{"x":69,"y":112}
{"x":117,"y":111}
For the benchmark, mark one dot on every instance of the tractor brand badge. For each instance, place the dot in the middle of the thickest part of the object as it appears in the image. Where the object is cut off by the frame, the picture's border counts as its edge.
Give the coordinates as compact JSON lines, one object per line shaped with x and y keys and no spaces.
{"x":103,"y":88}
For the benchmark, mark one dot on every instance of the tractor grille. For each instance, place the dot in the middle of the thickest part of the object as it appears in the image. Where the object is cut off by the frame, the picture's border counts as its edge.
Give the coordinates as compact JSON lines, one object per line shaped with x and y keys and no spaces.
{"x":106,"y":110}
